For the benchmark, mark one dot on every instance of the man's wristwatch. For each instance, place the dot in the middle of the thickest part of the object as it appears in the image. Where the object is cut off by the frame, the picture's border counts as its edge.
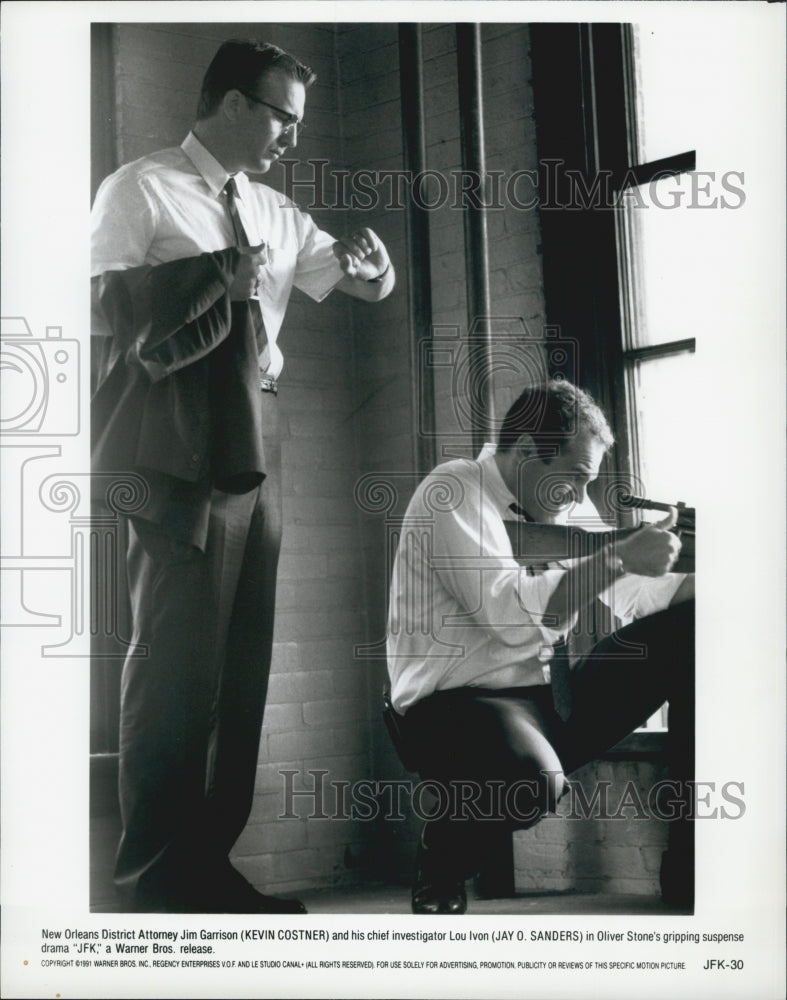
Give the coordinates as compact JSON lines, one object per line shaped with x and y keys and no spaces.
{"x":379,"y":277}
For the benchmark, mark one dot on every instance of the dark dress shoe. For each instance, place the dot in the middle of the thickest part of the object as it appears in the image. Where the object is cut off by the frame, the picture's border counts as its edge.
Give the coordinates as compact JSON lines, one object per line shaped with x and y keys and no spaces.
{"x":439,"y":898}
{"x":433,"y":892}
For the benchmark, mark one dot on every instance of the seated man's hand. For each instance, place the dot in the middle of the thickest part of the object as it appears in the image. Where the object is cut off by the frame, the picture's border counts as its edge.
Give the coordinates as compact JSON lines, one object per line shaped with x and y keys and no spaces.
{"x":245,"y":284}
{"x":652,"y":550}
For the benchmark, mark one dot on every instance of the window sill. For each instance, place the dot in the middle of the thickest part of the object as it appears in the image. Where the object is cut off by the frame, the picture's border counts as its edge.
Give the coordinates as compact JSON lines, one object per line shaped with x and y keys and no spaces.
{"x":645,"y":744}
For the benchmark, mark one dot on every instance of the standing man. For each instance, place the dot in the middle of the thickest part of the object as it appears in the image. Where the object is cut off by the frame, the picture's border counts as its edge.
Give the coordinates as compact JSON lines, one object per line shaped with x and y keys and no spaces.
{"x":477,"y":651}
{"x":193,"y":266}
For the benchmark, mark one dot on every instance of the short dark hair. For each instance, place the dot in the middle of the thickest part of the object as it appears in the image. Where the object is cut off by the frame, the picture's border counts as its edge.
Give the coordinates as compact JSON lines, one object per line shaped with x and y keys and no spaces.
{"x":553,"y":413}
{"x":239,"y":64}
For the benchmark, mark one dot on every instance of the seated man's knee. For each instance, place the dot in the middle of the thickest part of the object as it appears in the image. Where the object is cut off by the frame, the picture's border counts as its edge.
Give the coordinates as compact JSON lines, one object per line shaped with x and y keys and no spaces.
{"x":530,"y":797}
{"x":527,"y":763}
{"x":520,"y":799}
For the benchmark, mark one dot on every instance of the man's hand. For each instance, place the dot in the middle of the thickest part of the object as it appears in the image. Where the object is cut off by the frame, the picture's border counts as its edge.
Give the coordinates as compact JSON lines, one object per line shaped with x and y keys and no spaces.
{"x":245,"y":284}
{"x":648,"y":551}
{"x":652,"y":550}
{"x":362,"y":255}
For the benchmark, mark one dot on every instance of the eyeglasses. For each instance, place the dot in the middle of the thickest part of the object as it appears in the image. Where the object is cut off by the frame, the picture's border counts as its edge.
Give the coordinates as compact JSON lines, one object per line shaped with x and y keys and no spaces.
{"x":289,"y":121}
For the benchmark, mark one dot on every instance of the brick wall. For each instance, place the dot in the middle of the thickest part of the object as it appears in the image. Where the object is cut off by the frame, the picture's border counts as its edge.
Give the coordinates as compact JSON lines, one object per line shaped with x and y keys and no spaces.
{"x":516,"y":285}
{"x":615,"y":847}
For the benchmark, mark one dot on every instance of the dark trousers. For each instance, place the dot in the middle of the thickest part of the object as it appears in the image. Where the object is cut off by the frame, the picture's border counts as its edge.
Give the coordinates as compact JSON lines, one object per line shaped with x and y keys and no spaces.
{"x":477,"y":745}
{"x":192,"y":708}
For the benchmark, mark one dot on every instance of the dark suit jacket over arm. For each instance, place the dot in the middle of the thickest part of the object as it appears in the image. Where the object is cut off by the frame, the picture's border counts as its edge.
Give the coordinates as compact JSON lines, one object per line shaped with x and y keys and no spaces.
{"x":178,"y":394}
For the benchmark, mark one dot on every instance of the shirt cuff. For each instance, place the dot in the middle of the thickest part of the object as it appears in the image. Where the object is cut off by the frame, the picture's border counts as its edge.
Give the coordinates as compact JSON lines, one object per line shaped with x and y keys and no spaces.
{"x":319,"y":283}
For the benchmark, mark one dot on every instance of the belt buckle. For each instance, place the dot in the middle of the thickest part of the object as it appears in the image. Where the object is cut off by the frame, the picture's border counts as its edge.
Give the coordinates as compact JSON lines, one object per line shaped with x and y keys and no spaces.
{"x":268,"y":384}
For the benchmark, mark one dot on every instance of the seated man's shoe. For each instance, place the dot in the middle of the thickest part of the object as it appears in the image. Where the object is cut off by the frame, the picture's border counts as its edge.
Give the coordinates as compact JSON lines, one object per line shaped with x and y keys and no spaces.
{"x":433,"y":892}
{"x":439,"y":898}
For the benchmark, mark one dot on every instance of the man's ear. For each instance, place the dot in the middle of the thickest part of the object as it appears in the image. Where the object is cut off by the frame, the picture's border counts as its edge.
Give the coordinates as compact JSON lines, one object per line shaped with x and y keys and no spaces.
{"x":231,"y":104}
{"x":525,"y":447}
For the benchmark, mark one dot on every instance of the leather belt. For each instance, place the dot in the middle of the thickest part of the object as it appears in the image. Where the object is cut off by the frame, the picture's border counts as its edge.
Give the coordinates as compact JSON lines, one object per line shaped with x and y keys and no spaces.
{"x":268,"y":384}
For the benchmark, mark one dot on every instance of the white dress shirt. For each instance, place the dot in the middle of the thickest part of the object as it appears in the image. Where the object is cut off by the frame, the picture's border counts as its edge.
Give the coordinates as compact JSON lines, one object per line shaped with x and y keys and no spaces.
{"x":171,"y":205}
{"x":462,"y":611}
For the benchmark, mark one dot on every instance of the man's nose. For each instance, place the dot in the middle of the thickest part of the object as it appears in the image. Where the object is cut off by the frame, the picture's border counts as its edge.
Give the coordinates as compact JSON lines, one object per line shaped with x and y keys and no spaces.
{"x":290,"y":137}
{"x":579,"y":492}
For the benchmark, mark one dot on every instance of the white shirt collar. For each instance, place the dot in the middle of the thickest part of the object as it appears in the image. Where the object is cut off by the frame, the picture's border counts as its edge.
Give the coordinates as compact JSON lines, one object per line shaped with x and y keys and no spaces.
{"x":493,"y":481}
{"x":212,"y":172}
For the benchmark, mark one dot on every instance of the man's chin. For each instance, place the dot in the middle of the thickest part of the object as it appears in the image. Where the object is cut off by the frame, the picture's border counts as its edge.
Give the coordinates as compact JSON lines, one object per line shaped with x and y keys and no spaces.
{"x":273,"y":158}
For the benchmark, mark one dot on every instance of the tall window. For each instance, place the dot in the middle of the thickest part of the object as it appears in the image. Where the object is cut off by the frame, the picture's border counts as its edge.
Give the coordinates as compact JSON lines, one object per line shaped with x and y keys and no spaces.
{"x":659,"y":332}
{"x":672,"y":254}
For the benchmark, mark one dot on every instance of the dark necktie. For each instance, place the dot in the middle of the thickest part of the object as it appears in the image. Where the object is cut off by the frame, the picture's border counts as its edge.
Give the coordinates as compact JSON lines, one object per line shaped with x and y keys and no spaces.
{"x":241,"y":236}
{"x":244,"y":244}
{"x":560,"y":673}
{"x":595,"y":622}
{"x":559,"y":666}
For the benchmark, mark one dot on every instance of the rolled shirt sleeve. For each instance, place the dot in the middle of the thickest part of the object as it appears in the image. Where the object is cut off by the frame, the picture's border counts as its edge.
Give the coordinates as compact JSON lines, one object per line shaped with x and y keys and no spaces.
{"x":634,"y":596}
{"x":317,"y":272}
{"x":123,"y":224}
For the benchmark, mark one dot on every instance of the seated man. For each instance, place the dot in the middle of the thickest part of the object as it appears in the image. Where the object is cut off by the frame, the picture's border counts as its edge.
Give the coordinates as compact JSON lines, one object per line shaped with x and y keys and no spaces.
{"x":477,"y":651}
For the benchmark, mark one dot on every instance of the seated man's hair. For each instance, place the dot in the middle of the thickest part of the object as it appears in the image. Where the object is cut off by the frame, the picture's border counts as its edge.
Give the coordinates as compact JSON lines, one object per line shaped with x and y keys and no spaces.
{"x":553,"y":413}
{"x":239,"y":64}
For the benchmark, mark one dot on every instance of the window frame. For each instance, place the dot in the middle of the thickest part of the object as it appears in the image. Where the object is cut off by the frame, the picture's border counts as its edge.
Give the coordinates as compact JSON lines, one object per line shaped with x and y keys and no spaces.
{"x":584,"y":79}
{"x":639,"y":172}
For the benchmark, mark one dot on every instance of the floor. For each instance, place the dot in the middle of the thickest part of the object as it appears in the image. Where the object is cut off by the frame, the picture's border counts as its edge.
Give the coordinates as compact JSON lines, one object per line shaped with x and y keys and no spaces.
{"x":396,"y":899}
{"x":383,"y":898}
